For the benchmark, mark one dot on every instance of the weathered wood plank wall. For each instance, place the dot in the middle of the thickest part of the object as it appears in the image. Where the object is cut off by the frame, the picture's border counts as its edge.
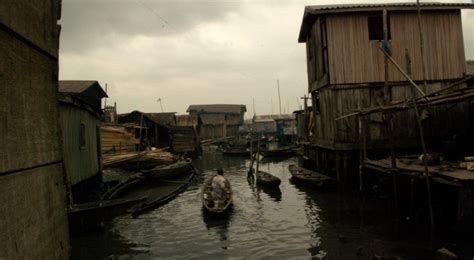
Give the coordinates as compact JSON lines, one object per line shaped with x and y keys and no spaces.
{"x":355,"y":59}
{"x":33,"y":202}
{"x":80,"y":162}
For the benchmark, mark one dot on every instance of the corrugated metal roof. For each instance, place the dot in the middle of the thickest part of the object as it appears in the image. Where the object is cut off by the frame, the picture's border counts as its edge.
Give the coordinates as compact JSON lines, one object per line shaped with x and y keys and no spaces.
{"x":315,"y":10}
{"x":218,"y":108}
{"x":410,"y":5}
{"x":167,"y":118}
{"x":79,"y":86}
{"x":75,"y":86}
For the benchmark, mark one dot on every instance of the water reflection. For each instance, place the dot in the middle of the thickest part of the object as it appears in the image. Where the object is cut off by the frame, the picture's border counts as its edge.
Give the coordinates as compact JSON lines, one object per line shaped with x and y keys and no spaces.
{"x":218,"y":223}
{"x":273,"y":192}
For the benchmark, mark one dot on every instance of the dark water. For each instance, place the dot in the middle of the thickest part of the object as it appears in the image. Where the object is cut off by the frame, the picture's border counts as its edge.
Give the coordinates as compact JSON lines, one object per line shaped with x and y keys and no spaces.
{"x":293,"y":222}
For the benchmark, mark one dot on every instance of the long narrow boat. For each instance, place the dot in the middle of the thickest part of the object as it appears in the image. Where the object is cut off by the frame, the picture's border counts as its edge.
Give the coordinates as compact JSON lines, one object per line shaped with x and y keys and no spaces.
{"x":208,"y":201}
{"x":234,"y":151}
{"x":266,"y":179}
{"x":286,"y":151}
{"x":310,"y":177}
{"x":162,"y":191}
{"x":170,"y":171}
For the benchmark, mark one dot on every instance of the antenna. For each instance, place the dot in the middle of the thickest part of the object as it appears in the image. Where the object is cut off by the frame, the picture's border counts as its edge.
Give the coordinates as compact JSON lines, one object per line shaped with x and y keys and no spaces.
{"x":279,"y":99}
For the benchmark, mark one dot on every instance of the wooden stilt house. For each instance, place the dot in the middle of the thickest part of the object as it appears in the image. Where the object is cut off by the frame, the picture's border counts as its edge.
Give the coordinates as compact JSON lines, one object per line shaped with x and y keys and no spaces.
{"x":347,"y":72}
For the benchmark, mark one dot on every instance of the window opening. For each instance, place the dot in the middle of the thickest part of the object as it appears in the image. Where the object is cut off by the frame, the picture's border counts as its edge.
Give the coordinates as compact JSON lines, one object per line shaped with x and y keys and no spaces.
{"x":376,"y":27}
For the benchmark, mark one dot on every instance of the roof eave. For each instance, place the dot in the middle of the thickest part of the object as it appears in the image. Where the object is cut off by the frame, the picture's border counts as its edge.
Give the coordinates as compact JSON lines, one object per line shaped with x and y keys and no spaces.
{"x":311,"y":13}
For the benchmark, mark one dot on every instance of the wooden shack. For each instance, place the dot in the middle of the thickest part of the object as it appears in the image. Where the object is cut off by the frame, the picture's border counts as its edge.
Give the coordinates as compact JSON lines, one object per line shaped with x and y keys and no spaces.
{"x":80,"y":119}
{"x":346,"y":73}
{"x":218,"y":120}
{"x":158,"y":125}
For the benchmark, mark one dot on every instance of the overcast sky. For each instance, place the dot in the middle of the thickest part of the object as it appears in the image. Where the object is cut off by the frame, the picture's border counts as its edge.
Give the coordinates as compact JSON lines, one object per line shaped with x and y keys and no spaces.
{"x":193,"y":51}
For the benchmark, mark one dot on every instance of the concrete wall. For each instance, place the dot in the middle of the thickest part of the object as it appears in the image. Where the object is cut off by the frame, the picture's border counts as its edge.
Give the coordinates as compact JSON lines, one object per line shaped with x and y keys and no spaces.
{"x":33,"y":219}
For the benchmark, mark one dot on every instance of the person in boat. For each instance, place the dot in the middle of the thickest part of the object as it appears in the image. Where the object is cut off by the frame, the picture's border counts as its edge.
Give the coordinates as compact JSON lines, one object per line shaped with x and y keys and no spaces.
{"x":220,"y":188}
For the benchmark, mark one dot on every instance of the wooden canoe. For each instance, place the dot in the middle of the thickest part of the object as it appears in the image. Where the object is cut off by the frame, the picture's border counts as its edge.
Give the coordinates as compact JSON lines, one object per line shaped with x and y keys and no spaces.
{"x":265,"y":178}
{"x":237,"y":149}
{"x":208,"y":201}
{"x":170,"y":171}
{"x":310,"y":177}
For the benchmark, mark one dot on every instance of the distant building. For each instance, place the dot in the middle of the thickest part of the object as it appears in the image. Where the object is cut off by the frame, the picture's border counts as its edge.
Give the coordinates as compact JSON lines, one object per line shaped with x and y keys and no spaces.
{"x":346,"y":73}
{"x":217,"y":121}
{"x":80,"y":118}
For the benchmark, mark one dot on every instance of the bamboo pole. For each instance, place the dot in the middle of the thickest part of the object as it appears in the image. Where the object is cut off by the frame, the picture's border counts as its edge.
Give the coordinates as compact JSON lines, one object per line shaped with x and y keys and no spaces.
{"x":413,"y":84}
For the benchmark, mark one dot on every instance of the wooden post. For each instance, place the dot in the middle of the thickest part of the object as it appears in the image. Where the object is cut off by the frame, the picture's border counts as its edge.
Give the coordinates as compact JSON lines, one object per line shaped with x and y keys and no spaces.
{"x":338,"y":168}
{"x":389,"y":116}
{"x":141,"y":123}
{"x":422,"y":47}
{"x":413,"y":89}
{"x":344,"y":170}
{"x":258,"y":154}
{"x":412,"y":196}
{"x":361,"y":153}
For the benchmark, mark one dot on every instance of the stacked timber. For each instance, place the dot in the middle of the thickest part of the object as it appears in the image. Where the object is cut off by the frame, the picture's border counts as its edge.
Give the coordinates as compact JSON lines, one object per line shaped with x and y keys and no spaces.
{"x":184,"y":139}
{"x":117,"y":139}
{"x":138,"y":160}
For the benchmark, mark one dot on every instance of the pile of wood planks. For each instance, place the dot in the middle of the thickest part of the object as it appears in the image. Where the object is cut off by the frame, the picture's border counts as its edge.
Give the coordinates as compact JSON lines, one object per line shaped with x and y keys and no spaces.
{"x":117,"y":139}
{"x":147,"y":159}
{"x":184,"y":139}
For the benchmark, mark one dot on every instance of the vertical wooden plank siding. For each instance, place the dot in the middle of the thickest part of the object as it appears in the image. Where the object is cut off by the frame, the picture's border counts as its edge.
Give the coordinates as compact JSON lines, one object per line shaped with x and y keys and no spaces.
{"x":81,"y":163}
{"x":355,"y":59}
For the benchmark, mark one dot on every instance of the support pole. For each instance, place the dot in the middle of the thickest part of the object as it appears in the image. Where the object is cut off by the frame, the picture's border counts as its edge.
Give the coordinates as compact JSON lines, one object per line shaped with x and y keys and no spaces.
{"x":413,"y":84}
{"x":361,"y":153}
{"x":422,"y":47}
{"x":413,"y":89}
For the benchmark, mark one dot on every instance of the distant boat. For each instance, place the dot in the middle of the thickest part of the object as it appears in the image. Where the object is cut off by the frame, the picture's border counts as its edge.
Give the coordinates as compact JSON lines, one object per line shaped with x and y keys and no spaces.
{"x":208,"y":200}
{"x":284,"y":151}
{"x":266,"y":179}
{"x":310,"y":177}
{"x":234,"y":150}
{"x":170,"y":171}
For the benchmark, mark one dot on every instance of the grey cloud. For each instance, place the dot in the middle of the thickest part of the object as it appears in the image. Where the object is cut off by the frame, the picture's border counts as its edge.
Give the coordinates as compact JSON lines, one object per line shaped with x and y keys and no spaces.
{"x":88,"y":23}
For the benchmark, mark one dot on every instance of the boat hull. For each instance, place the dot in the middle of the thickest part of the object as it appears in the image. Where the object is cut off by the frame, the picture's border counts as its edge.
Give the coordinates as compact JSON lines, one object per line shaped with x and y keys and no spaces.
{"x":171,"y":171}
{"x":266,"y":179}
{"x":310,"y":177}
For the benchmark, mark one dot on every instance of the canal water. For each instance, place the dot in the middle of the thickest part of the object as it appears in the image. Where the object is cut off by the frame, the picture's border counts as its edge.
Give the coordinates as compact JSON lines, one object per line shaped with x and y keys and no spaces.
{"x":296,"y":222}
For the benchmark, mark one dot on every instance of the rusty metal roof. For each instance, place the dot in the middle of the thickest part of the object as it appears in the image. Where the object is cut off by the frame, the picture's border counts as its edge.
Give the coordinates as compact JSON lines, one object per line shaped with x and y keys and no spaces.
{"x":218,"y":109}
{"x":312,"y":11}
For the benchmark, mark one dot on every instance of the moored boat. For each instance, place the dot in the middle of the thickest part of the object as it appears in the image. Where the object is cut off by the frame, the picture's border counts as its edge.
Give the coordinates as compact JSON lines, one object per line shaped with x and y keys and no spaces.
{"x":286,"y":151}
{"x":265,"y":178}
{"x":310,"y":177}
{"x":234,"y":150}
{"x":208,"y":200}
{"x":170,"y":171}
